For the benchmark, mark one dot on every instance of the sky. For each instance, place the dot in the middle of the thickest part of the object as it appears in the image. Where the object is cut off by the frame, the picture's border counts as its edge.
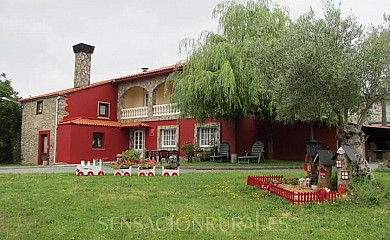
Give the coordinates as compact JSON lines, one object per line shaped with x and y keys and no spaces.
{"x":36,"y":36}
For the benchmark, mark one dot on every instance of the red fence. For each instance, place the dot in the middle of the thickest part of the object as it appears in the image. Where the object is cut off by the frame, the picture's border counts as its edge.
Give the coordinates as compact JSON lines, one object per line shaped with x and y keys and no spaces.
{"x":269,"y":183}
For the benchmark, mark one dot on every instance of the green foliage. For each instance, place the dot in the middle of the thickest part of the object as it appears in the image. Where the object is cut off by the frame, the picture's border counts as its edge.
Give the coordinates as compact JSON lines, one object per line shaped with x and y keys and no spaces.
{"x":291,"y":180}
{"x":367,"y":192}
{"x":10,"y":118}
{"x":190,"y":150}
{"x":131,"y":155}
{"x":220,"y":78}
{"x":330,"y":68}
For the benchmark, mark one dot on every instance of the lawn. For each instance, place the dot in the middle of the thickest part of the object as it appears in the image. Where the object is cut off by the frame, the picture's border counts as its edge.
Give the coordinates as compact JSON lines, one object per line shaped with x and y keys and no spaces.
{"x":192,"y":206}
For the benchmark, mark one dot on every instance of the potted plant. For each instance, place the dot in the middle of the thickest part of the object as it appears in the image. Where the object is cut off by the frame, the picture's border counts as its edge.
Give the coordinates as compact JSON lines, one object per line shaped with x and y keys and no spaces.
{"x":147,"y":167}
{"x":190,"y":150}
{"x":172,"y":169}
{"x":122,"y":168}
{"x":124,"y":164}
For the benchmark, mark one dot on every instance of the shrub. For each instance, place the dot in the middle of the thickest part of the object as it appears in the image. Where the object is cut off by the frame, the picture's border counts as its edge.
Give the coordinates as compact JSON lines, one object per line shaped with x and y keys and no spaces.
{"x":367,"y":192}
{"x":190,"y":150}
{"x":131,"y":155}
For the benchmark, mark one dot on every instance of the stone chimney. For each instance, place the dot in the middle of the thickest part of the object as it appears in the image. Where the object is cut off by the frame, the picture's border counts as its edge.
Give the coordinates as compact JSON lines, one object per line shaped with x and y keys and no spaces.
{"x":82,"y":69}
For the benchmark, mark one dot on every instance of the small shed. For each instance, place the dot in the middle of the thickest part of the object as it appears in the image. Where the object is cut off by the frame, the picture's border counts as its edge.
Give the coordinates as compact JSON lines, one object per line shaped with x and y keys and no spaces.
{"x":325,"y":163}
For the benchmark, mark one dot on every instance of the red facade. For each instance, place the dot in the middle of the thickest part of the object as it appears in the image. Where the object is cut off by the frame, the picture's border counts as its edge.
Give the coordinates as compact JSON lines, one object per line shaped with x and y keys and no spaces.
{"x":75,"y":143}
{"x":84,"y":103}
{"x":75,"y":139}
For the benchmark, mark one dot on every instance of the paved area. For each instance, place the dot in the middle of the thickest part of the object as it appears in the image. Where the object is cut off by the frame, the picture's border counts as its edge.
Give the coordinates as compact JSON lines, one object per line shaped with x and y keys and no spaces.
{"x":72,"y":169}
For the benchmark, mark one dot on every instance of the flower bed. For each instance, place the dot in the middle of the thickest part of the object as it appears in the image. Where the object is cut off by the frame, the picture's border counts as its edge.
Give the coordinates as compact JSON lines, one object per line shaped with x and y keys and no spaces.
{"x":270,"y":184}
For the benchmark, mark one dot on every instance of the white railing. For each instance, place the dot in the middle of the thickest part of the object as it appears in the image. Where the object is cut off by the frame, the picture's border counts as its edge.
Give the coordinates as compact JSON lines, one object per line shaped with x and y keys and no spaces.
{"x":165,"y":109}
{"x":138,"y":112}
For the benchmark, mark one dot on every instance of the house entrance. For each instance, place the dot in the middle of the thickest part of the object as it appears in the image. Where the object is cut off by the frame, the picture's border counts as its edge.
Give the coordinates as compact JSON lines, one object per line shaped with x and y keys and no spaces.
{"x":43,"y":147}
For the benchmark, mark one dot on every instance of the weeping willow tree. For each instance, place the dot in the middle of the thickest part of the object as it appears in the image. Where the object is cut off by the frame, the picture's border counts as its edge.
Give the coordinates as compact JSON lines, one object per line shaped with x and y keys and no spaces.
{"x":220,"y":78}
{"x":332,"y":69}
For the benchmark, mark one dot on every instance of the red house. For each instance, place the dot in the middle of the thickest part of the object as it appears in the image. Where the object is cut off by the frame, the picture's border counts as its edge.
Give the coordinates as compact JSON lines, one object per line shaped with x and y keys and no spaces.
{"x":100,"y":120}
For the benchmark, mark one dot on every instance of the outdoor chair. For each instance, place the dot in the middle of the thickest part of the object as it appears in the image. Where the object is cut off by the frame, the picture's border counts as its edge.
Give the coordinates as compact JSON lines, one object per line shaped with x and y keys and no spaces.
{"x":163,"y":156}
{"x":257,"y":152}
{"x":223,"y":152}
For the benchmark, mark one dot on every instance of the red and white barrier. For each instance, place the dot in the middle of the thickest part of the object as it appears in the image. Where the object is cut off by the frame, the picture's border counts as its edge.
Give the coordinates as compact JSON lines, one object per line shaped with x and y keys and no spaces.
{"x":90,"y":169}
{"x":147,"y":172}
{"x":170,"y":172}
{"x":123,"y":172}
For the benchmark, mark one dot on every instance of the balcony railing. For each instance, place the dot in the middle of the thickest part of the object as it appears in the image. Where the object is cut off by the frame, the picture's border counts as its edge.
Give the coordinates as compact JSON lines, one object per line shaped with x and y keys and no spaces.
{"x":165,"y":109}
{"x":138,"y":112}
{"x":158,"y":110}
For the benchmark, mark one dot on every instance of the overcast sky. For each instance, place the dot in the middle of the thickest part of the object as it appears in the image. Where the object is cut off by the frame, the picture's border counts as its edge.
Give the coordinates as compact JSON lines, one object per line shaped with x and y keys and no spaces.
{"x":36,"y":36}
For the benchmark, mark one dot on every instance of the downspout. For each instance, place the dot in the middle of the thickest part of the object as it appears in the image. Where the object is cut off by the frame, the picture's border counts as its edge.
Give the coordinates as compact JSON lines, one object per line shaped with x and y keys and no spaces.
{"x":56,"y":129}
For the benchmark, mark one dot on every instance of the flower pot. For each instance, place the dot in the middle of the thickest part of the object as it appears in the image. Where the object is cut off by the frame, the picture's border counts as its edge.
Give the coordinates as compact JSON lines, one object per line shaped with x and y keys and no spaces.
{"x":170,"y":172}
{"x":123,"y":172}
{"x":147,"y":171}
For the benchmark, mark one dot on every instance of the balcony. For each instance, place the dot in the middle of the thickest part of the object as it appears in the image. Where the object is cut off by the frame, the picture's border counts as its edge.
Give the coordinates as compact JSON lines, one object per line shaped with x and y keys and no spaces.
{"x":138,"y":112}
{"x":158,"y":110}
{"x":165,"y":110}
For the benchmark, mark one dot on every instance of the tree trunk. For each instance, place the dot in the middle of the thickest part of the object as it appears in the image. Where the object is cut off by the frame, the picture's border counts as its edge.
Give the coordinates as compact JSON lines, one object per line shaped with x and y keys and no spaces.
{"x":355,"y":138}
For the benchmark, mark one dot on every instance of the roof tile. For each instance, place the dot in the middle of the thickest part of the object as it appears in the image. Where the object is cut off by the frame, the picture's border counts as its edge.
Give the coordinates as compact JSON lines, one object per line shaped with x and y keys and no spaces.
{"x":103,"y":123}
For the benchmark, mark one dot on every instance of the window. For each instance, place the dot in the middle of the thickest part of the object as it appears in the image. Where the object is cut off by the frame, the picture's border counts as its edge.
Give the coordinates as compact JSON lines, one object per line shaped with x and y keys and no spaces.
{"x":104,"y":109}
{"x":97,"y":140}
{"x":138,"y":140}
{"x":207,"y":136}
{"x":39,"y":107}
{"x":168,"y":137}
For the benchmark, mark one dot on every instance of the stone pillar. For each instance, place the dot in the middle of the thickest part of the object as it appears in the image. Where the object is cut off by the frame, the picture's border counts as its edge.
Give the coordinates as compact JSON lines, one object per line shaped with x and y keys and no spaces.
{"x":82,"y":69}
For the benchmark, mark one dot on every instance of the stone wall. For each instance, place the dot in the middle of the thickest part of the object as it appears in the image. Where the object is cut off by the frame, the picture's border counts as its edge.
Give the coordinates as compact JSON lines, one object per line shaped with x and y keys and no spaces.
{"x":32,"y":123}
{"x":151,"y":85}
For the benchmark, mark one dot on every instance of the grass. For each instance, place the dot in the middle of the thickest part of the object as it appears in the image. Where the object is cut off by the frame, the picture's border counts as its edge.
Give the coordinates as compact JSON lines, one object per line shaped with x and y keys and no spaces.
{"x":192,"y":206}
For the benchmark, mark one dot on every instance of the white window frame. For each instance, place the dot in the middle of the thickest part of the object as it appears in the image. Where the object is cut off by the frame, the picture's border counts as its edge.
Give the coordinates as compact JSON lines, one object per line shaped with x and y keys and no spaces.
{"x":213,"y":142}
{"x":168,"y":138}
{"x":161,"y":137}
{"x":107,"y":104}
{"x":210,"y":133}
{"x":139,"y":136}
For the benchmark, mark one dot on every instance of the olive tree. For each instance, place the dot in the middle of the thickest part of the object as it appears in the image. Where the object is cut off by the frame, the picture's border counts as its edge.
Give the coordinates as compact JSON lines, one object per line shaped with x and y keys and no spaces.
{"x":333,"y":70}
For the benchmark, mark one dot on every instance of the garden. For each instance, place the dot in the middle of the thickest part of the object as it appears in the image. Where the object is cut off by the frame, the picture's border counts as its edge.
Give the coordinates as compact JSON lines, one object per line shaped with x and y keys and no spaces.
{"x":216,"y":205}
